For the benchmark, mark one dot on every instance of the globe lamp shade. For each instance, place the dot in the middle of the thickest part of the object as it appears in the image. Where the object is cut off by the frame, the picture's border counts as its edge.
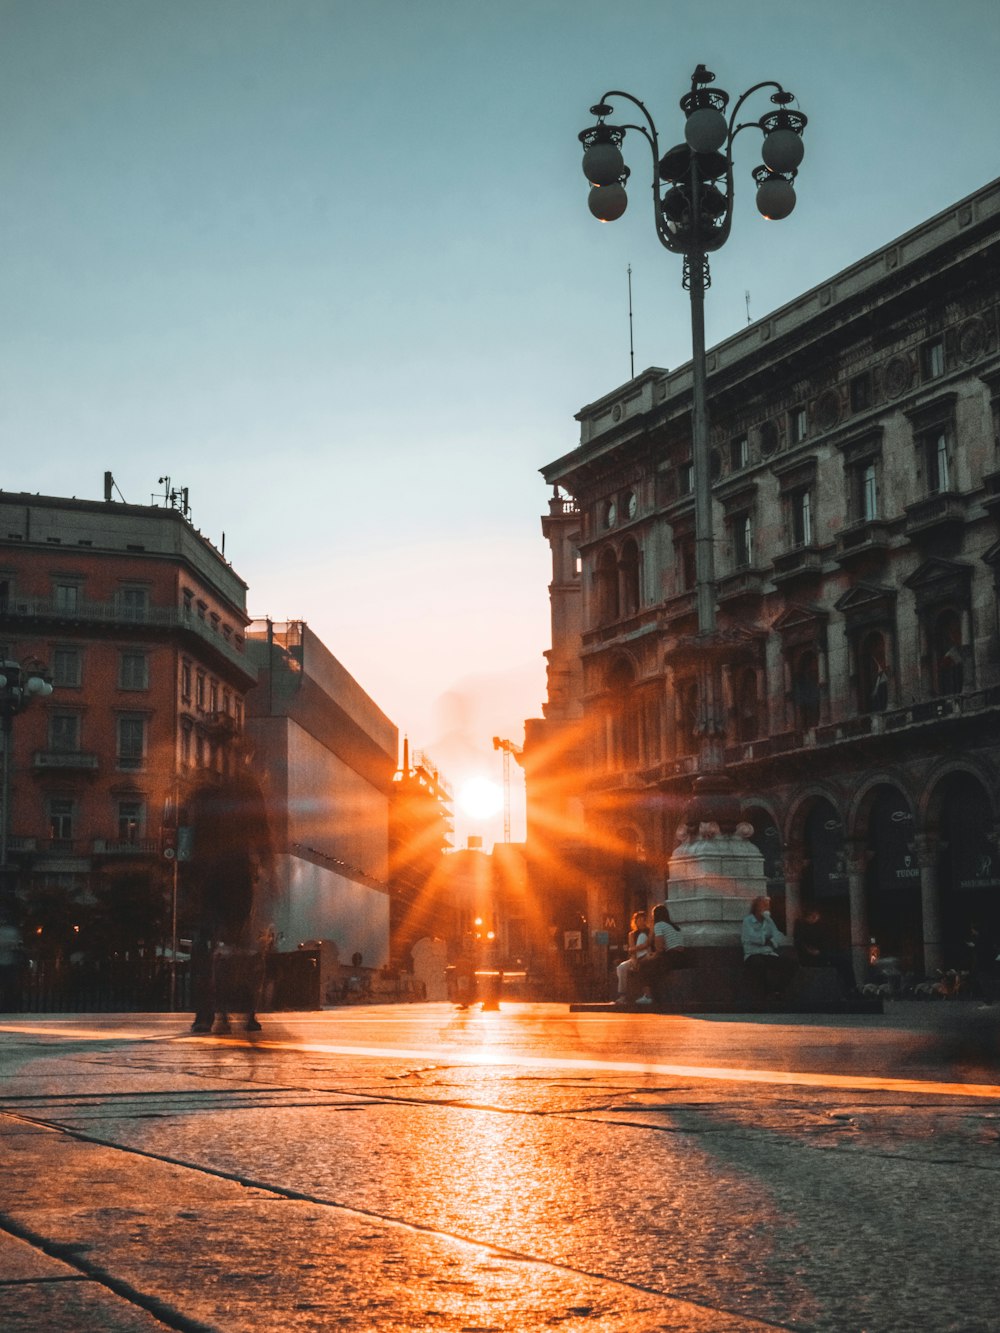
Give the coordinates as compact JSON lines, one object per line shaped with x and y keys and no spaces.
{"x":775,"y":198}
{"x":676,"y":205}
{"x":603,"y":164}
{"x":608,"y":202}
{"x":782,"y":150}
{"x":705,"y":130}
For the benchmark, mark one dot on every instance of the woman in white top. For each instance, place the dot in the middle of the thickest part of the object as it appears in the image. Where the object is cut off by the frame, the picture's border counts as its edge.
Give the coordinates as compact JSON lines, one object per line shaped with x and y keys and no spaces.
{"x":638,"y":949}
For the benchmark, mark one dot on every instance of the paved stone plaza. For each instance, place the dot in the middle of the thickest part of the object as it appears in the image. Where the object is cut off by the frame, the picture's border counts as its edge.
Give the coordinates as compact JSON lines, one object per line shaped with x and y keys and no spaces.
{"x":419,"y":1168}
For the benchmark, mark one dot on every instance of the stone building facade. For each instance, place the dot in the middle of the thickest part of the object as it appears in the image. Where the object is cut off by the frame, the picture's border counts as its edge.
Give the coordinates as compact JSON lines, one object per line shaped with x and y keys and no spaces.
{"x":855,"y":463}
{"x":141,"y":624}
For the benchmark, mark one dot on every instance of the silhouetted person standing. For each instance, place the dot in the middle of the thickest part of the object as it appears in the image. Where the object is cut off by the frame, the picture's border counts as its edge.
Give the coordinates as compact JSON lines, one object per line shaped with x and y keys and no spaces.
{"x":231,"y":851}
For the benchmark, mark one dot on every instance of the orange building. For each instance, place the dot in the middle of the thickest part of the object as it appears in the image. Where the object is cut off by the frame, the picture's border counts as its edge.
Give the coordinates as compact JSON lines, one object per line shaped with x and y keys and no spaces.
{"x":139,"y":622}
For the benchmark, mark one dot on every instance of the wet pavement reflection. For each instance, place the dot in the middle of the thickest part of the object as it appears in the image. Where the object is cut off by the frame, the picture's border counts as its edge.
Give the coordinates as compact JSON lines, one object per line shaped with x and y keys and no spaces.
{"x":424,"y":1168}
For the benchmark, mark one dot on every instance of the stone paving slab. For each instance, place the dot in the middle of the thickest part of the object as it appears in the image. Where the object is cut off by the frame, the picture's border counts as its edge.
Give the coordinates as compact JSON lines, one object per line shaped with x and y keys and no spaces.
{"x":198,"y":1248}
{"x":75,"y":1306}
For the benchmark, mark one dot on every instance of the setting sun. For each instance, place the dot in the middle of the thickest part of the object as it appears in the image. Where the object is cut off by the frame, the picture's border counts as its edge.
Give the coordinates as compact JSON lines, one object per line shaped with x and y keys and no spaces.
{"x":480,"y":798}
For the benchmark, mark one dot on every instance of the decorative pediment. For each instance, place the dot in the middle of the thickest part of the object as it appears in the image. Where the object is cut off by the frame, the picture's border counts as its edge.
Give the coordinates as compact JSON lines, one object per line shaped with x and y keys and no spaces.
{"x":940,"y":580}
{"x":799,"y":624}
{"x":861,"y":596}
{"x":799,"y":617}
{"x":938,"y":570}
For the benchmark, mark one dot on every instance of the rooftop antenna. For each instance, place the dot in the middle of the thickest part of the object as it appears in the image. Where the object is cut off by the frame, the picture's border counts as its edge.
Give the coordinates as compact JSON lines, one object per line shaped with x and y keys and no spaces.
{"x":631,"y":344}
{"x":175,"y":497}
{"x":111,"y":485}
{"x":747,"y":294}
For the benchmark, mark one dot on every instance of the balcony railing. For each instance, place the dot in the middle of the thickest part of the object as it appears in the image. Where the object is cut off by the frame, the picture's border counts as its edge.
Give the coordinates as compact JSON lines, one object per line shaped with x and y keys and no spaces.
{"x":125,"y":847}
{"x":65,"y":759}
{"x":741,"y":585}
{"x":680,"y":605}
{"x":113,"y":614}
{"x":944,"y":510}
{"x":802,"y":562}
{"x":921,"y":713}
{"x":864,"y":538}
{"x":625,"y":626}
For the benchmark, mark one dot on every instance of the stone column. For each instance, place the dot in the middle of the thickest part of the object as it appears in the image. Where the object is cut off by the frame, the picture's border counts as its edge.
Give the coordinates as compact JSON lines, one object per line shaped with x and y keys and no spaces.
{"x":930,"y":903}
{"x":856,"y":857}
{"x":793,"y":862}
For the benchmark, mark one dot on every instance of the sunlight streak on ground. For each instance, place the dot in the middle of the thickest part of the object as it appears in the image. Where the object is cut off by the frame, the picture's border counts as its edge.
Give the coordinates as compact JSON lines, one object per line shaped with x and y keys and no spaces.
{"x":484,"y":1056}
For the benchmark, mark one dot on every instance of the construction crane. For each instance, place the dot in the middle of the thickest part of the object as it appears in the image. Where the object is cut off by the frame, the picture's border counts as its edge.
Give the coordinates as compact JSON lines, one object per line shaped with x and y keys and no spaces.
{"x":508,"y":748}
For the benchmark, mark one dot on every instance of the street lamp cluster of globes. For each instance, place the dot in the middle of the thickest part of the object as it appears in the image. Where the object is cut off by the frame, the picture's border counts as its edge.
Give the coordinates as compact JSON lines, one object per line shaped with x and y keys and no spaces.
{"x":19,"y":686}
{"x":693,"y":182}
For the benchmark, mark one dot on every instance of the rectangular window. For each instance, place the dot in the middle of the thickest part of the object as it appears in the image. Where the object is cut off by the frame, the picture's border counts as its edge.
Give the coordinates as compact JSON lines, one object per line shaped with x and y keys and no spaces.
{"x":186,"y":746}
{"x":133,"y":603}
{"x":64,"y":732}
{"x":131,"y":817}
{"x":188,"y":602}
{"x":739,"y":452}
{"x":861,"y":392}
{"x":742,"y":525}
{"x":131,"y":742}
{"x":213,"y":696}
{"x":186,"y":681}
{"x":67,"y":669}
{"x":938,"y":466}
{"x":932,"y":359}
{"x":864,"y":491}
{"x":799,"y":424}
{"x":61,"y":819}
{"x":133,"y":670}
{"x":685,"y":478}
{"x":802,"y":518}
{"x":67,"y":596}
{"x":199,"y":690}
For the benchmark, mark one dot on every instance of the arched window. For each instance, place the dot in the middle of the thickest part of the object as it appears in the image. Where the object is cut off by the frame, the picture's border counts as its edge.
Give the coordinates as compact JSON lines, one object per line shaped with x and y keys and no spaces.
{"x":873,"y":673}
{"x":946,"y":653}
{"x":607,"y":587}
{"x":630,"y":579}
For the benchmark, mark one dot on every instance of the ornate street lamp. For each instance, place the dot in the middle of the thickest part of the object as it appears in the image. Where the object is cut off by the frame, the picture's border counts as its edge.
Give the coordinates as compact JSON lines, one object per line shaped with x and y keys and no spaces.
{"x":19,"y":686}
{"x":692,"y":213}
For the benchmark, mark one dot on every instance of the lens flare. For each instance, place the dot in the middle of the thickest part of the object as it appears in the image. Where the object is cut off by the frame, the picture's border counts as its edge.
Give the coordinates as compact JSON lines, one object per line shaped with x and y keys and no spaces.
{"x":480,"y":798}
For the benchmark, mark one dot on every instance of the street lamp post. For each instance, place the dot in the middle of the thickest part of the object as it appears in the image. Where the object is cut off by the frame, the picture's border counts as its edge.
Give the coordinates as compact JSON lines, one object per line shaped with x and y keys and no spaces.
{"x":19,"y":686}
{"x":692,"y":213}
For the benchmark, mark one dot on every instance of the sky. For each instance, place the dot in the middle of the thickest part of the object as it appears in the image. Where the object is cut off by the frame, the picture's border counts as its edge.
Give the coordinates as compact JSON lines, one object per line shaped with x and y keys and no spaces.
{"x":329,"y":265}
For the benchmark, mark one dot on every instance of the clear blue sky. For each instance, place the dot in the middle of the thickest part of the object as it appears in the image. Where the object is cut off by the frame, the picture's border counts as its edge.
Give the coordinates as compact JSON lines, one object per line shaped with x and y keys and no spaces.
{"x":330,"y":266}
